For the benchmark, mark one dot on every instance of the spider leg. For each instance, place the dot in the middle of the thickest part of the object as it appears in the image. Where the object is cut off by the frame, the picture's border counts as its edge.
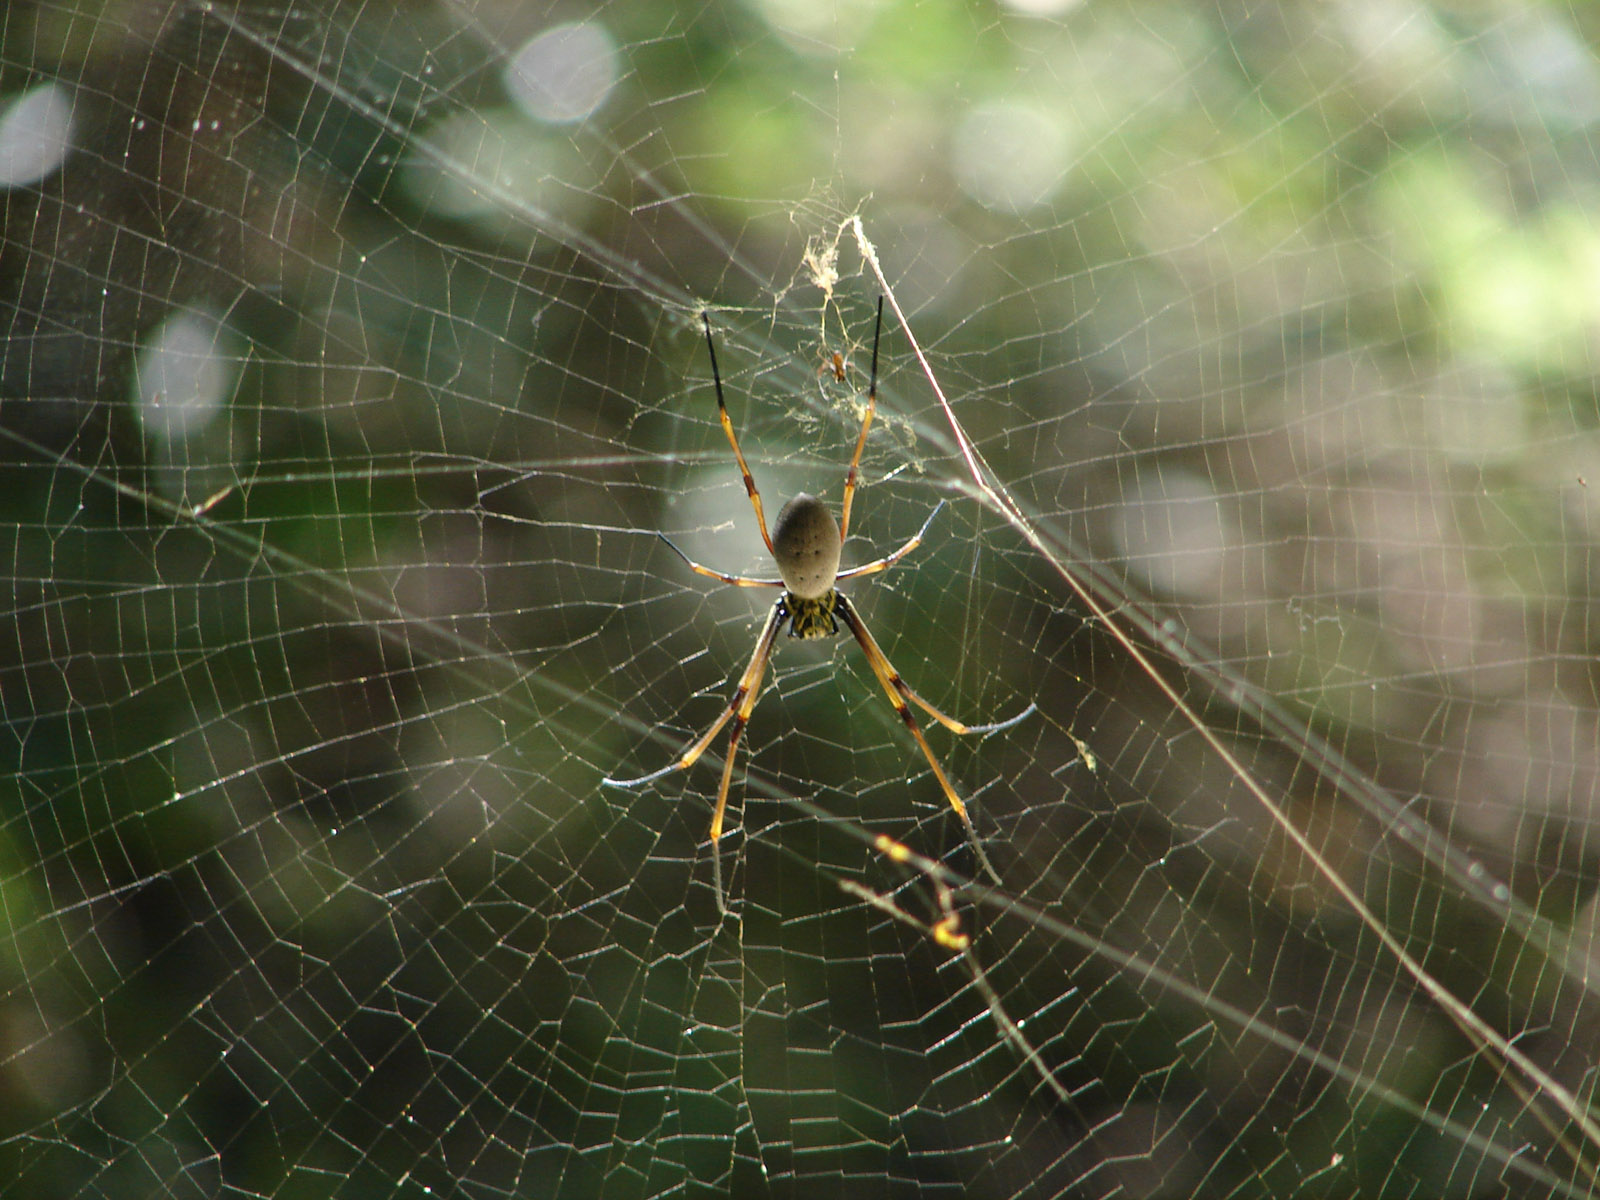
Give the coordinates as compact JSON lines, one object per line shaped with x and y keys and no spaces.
{"x":739,"y":707}
{"x":949,"y":722}
{"x":955,"y":726}
{"x":735,"y":580}
{"x":883,"y":564}
{"x":850,"y":478}
{"x":900,"y":696}
{"x":733,"y":440}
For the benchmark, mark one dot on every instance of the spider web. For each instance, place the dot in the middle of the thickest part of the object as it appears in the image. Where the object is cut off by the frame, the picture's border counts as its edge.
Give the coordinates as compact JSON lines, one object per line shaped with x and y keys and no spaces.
{"x":351,"y":369}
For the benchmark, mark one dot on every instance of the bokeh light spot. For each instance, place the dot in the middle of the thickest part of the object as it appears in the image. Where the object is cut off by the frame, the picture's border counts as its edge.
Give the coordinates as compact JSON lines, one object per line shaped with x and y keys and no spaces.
{"x":35,"y":135}
{"x":565,"y":73}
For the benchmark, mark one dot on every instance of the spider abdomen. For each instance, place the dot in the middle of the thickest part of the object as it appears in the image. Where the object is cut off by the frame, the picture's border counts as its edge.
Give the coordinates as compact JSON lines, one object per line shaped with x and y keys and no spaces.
{"x":806,"y":545}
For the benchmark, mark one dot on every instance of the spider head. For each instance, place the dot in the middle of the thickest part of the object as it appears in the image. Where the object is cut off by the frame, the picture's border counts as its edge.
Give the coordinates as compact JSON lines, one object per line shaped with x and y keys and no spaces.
{"x":811,"y":618}
{"x":806,"y":545}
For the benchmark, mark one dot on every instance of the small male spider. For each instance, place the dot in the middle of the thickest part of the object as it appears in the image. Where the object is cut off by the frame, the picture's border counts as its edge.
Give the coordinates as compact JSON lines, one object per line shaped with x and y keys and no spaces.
{"x":805,"y":545}
{"x":834,"y":365}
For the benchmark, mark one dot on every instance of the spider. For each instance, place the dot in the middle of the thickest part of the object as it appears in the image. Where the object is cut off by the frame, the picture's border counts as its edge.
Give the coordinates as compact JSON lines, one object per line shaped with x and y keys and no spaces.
{"x":805,"y":544}
{"x":834,"y":365}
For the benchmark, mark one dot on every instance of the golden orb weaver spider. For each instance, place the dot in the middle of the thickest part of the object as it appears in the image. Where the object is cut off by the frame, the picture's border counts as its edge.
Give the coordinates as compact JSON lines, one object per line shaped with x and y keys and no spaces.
{"x":806,"y":544}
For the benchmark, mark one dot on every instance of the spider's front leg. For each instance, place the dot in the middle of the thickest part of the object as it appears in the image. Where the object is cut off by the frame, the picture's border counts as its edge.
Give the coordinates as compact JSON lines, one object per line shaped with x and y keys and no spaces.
{"x":740,"y":705}
{"x":902,"y":697}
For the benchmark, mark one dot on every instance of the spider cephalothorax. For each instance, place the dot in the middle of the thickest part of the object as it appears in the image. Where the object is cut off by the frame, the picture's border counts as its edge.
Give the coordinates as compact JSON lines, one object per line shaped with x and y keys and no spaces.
{"x":811,"y":618}
{"x":806,"y":544}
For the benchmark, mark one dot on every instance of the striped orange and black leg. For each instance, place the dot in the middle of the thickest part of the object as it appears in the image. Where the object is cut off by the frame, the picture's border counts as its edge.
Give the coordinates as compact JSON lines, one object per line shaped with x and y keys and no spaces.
{"x":902,"y":697}
{"x":733,"y":440}
{"x":851,"y":476}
